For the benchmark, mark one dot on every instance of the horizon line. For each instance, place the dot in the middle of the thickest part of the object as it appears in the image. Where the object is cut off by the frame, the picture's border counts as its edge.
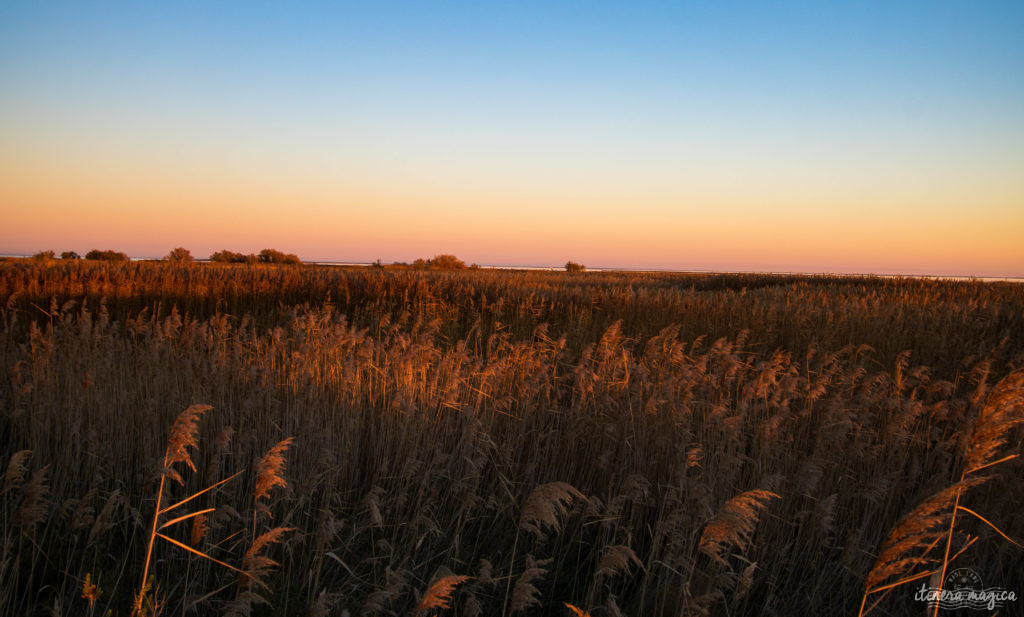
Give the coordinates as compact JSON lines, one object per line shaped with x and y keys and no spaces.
{"x":557,"y":268}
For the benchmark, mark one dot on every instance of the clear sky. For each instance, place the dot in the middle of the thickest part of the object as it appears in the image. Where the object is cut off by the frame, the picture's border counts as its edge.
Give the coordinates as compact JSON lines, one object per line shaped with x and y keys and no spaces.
{"x":819,"y":136}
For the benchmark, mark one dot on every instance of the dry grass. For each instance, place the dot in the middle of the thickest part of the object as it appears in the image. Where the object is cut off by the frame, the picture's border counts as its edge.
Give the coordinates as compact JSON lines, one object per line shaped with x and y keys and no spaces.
{"x":614,"y":442}
{"x":439,"y":594}
{"x":545,"y":505}
{"x":734,"y":524}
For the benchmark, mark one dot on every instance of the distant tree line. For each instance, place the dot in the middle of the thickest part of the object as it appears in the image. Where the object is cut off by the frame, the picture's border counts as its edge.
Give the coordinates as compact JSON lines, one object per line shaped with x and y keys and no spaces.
{"x":96,"y":254}
{"x":183,"y":255}
{"x":230,"y":257}
{"x":106,"y":255}
{"x":266,"y":256}
{"x":273,"y":256}
{"x":44,"y":255}
{"x":440,"y":262}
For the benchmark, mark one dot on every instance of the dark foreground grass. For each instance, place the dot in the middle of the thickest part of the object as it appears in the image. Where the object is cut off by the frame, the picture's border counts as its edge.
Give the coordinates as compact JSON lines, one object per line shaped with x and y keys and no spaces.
{"x":654,"y":444}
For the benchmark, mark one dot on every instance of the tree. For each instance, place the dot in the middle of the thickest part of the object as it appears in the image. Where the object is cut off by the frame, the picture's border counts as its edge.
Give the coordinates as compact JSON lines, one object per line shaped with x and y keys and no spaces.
{"x":106,"y":255}
{"x":180,"y":255}
{"x":420,"y":264}
{"x":572,"y":266}
{"x":70,"y":255}
{"x":44,"y":255}
{"x":446,"y":262}
{"x":230,"y":257}
{"x":222,"y":256}
{"x":274,"y":256}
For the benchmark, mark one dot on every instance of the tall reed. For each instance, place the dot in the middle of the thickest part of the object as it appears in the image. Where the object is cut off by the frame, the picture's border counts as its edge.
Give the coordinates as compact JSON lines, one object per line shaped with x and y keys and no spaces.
{"x":429,"y":407}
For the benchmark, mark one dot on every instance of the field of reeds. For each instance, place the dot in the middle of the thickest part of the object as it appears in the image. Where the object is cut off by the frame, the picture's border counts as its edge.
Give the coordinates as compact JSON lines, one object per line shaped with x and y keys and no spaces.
{"x":499,"y":443}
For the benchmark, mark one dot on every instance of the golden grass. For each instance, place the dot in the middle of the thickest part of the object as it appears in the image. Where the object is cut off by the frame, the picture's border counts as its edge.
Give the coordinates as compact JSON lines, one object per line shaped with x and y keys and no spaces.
{"x":638,"y":444}
{"x":734,"y":524}
{"x":439,"y":594}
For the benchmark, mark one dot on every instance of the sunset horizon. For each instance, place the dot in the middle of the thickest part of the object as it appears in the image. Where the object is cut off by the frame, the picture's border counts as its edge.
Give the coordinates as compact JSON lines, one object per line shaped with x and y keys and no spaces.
{"x":870,"y":139}
{"x":851,"y":271}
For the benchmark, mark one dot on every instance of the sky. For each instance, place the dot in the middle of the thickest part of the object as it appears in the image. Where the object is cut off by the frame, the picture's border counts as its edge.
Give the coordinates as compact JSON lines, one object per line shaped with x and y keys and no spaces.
{"x":883,"y":137}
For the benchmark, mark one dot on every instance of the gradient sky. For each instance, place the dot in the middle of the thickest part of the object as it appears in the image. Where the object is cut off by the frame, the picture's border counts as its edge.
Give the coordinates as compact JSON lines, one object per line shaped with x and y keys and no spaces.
{"x":841,"y":137}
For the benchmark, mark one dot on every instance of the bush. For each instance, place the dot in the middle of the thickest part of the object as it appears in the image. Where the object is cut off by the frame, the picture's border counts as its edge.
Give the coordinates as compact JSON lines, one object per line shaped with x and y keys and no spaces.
{"x":180,"y":255}
{"x":70,"y":255}
{"x":106,"y":255}
{"x":446,"y":262}
{"x":230,"y":257}
{"x":273,"y":256}
{"x":43,"y":255}
{"x":572,"y":266}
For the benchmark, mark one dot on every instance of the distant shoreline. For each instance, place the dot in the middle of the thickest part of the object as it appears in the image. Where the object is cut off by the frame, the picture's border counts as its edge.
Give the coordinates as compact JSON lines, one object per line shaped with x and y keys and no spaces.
{"x":943,"y":277}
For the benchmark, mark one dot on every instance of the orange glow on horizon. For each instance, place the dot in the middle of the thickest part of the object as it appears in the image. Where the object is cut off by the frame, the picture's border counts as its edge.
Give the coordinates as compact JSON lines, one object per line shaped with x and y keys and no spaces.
{"x":146,"y":205}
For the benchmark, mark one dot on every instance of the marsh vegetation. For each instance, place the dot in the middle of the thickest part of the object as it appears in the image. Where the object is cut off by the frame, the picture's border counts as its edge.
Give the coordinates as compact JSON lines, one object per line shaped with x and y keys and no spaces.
{"x":480,"y":442}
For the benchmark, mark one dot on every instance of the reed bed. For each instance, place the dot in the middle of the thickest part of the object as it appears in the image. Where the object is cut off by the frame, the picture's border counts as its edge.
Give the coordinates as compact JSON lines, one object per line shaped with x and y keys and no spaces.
{"x":489,"y":443}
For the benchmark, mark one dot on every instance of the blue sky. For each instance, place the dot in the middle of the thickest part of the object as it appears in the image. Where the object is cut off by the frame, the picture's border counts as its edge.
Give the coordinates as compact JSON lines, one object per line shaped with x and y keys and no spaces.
{"x":810,"y":136}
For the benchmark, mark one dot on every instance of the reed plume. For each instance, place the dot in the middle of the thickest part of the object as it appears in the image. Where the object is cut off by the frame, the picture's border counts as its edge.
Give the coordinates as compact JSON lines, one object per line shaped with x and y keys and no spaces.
{"x":542,"y":508}
{"x":1003,"y":411}
{"x":579,"y":612}
{"x":379,"y":600}
{"x":525,"y":594}
{"x":200,"y":527}
{"x":545,"y":505}
{"x":16,"y":470}
{"x":34,"y":503}
{"x":440,"y":592}
{"x":746,"y":582}
{"x":184,"y":435}
{"x":255,"y":564}
{"x":616,"y":559}
{"x":734,"y":523}
{"x":913,"y":538}
{"x":270,"y":473}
